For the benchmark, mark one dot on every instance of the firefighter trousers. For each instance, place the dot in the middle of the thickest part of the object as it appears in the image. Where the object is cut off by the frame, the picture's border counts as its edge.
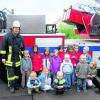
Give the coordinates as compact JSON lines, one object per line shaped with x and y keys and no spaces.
{"x":13,"y":76}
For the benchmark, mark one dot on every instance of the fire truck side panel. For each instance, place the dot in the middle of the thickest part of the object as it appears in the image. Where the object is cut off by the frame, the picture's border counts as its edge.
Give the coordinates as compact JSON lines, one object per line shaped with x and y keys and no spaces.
{"x":52,"y":41}
{"x":47,"y":40}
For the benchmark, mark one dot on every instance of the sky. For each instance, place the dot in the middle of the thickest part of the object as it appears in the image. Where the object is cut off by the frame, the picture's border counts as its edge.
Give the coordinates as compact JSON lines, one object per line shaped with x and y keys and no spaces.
{"x":53,"y":9}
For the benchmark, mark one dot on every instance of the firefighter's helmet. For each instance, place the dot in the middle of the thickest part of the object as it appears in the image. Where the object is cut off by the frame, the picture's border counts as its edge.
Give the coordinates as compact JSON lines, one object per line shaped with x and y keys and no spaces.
{"x":16,"y":24}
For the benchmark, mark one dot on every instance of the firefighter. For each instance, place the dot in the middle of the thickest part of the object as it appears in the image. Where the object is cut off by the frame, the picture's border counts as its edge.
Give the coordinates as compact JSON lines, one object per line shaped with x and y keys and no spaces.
{"x":12,"y":51}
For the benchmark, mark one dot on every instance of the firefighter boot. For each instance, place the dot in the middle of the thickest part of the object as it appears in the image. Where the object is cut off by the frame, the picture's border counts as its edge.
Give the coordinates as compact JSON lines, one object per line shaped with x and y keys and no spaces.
{"x":11,"y":87}
{"x":16,"y":85}
{"x":12,"y":90}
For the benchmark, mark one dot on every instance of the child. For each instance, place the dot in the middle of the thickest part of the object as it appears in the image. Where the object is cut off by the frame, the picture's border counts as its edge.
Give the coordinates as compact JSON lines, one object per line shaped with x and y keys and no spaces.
{"x":96,"y":81}
{"x":92,"y":73}
{"x":81,"y":73}
{"x":36,"y":60}
{"x":61,"y":52}
{"x":85,"y":52}
{"x":46,"y":58}
{"x":76,"y":54}
{"x":33,"y":83}
{"x":67,"y":69}
{"x":55,"y":63}
{"x":26,"y":67}
{"x":59,"y":83}
{"x":75,"y":57}
{"x":45,"y":80}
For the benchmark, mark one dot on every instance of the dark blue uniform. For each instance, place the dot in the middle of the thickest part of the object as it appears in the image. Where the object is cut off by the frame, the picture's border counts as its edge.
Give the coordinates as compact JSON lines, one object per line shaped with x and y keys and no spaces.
{"x":12,"y":50}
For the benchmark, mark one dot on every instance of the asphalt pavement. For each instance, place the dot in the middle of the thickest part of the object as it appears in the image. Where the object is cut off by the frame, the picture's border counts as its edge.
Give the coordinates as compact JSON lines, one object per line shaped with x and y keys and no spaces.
{"x":70,"y":94}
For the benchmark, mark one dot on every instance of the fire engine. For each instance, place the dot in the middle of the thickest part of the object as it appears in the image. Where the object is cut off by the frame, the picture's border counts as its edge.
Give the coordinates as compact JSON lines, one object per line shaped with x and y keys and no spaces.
{"x":34,"y":31}
{"x":87,"y":24}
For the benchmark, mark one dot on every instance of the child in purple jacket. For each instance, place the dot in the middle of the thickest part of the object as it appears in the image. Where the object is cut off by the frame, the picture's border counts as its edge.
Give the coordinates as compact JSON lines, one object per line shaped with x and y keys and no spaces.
{"x":55,"y":63}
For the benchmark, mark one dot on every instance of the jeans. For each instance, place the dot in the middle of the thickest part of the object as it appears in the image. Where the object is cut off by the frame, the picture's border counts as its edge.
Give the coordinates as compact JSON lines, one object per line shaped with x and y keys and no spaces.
{"x":81,"y":83}
{"x":67,"y":77}
{"x":73,"y":76}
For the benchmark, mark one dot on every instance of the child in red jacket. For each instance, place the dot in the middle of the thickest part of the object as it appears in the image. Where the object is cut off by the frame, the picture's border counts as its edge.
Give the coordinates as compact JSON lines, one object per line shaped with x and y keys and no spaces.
{"x":61,"y":52}
{"x":37,"y":64}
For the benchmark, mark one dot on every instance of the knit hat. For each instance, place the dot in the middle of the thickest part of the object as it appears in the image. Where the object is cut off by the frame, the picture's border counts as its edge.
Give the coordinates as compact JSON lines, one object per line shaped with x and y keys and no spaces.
{"x":86,"y":48}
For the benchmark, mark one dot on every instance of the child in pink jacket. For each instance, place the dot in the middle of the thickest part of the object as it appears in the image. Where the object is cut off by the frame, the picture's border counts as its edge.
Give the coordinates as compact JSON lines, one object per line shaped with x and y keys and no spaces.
{"x":37,"y":64}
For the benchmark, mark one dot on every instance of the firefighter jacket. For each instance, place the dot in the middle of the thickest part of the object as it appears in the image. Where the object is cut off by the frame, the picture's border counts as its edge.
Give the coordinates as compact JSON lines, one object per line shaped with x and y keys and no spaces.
{"x":12,"y":49}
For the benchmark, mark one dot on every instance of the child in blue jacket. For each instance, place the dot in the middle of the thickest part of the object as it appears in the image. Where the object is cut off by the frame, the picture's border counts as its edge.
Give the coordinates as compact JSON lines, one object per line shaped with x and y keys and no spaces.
{"x":33,"y":83}
{"x":26,"y":68}
{"x":45,"y":80}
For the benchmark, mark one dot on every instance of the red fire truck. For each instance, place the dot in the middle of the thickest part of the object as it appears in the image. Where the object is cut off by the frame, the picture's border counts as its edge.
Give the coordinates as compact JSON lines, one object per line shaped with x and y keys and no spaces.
{"x":34,"y":31}
{"x":87,"y":24}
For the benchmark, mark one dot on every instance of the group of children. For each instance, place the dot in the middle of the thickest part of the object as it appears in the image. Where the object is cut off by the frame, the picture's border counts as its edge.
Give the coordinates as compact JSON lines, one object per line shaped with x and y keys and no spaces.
{"x":58,"y":71}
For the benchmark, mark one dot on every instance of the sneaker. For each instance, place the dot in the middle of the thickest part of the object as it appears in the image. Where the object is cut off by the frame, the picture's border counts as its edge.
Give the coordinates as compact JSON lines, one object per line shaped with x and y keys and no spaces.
{"x":85,"y":91}
{"x":11,"y":89}
{"x":16,"y":88}
{"x":52,"y":89}
{"x":78,"y":91}
{"x":23,"y":87}
{"x":97,"y":91}
{"x":37,"y":90}
{"x":29,"y":92}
